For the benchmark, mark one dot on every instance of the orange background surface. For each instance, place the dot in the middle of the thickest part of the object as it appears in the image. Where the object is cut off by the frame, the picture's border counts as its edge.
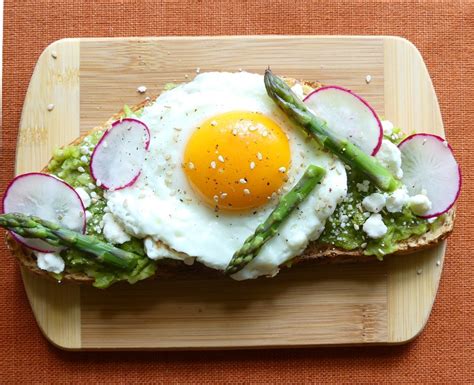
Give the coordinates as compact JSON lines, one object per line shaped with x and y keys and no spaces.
{"x":443,"y":32}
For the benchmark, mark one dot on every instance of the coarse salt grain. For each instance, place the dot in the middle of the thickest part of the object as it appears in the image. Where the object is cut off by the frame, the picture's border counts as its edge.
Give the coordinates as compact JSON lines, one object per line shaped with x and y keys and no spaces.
{"x":220,"y":158}
{"x":213,"y":164}
{"x":246,"y":191}
{"x":242,"y":181}
{"x":282,"y":169}
{"x":252,"y":165}
{"x":259,"y":156}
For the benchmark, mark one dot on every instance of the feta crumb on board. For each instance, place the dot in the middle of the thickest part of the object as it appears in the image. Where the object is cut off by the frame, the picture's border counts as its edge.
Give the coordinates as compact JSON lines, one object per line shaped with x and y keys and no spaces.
{"x":51,"y":262}
{"x":113,"y":232}
{"x":374,"y":226}
{"x":141,"y":89}
{"x":374,"y":202}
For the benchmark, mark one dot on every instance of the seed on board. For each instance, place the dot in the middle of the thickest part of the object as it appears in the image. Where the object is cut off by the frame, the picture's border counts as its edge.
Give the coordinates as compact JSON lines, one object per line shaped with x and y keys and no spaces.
{"x":50,"y":107}
{"x":54,"y":54}
{"x":368,"y":79}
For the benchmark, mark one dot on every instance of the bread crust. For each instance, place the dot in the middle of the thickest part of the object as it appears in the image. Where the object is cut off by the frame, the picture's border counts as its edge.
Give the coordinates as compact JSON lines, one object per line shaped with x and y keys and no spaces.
{"x":173,"y":269}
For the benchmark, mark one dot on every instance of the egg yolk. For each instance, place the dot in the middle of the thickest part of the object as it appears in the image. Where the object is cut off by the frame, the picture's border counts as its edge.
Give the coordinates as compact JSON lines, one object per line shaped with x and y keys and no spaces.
{"x":237,"y":160}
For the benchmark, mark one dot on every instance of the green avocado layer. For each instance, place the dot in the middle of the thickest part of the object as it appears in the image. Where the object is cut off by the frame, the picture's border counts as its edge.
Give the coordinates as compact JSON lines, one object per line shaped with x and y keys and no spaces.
{"x":71,"y":164}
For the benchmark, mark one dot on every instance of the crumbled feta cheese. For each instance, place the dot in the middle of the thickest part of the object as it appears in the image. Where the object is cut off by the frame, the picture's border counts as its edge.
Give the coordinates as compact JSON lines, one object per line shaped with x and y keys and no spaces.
{"x":364,"y":186}
{"x":113,"y":232}
{"x":141,"y":89}
{"x":51,"y":262}
{"x":419,"y":204}
{"x":85,"y":198}
{"x":298,"y":90}
{"x":88,"y":215}
{"x":374,"y":226}
{"x":374,"y":202}
{"x":387,"y":127}
{"x":397,"y":200}
{"x":390,"y":156}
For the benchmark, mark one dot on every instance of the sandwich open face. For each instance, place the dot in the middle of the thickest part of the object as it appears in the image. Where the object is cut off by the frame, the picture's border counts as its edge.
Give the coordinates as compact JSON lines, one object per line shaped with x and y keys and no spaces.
{"x":232,"y":173}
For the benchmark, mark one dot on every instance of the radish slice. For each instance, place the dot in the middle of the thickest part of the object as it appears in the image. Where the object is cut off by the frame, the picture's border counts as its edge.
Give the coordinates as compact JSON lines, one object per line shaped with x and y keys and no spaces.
{"x":429,"y":166}
{"x":348,"y":116}
{"x":49,"y":198}
{"x":118,"y":157}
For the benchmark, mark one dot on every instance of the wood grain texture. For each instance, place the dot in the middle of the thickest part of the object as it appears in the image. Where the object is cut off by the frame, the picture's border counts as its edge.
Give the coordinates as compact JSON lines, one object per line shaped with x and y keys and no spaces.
{"x":328,"y":304}
{"x":411,"y":102}
{"x":308,"y":305}
{"x":56,"y":82}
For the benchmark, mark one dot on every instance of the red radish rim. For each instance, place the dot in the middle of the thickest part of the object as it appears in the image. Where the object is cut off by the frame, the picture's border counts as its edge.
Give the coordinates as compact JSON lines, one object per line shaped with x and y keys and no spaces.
{"x":147,"y":142}
{"x":379,"y":144}
{"x":440,"y":139}
{"x":50,"y":176}
{"x":147,"y":146}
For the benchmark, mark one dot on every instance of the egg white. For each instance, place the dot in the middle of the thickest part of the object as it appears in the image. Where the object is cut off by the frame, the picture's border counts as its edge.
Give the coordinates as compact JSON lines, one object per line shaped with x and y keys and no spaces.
{"x":162,"y":206}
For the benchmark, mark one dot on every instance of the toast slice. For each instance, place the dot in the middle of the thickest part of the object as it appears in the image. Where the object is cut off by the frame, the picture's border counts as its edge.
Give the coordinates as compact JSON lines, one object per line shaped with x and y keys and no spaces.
{"x":316,"y":252}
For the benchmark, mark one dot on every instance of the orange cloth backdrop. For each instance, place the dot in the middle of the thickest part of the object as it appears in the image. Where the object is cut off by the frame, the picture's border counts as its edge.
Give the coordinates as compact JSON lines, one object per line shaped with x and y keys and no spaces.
{"x":443,"y":32}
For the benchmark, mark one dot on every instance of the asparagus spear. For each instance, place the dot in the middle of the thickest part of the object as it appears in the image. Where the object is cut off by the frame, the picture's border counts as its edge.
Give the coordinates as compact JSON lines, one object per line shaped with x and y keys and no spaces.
{"x":349,"y":153}
{"x":269,"y":228}
{"x":33,"y":227}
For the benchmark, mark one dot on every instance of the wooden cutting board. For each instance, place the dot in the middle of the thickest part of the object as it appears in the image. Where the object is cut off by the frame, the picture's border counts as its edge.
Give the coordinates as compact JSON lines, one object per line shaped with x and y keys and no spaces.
{"x":88,"y":80}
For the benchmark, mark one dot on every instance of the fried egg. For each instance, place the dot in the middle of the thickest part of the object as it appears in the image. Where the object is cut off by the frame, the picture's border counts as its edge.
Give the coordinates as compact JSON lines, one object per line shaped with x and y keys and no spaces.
{"x":221,"y":155}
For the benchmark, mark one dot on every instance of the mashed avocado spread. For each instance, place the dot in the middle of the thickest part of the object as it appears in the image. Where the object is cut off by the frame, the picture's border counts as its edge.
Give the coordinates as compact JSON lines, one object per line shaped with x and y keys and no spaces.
{"x":71,"y":164}
{"x":343,"y":229}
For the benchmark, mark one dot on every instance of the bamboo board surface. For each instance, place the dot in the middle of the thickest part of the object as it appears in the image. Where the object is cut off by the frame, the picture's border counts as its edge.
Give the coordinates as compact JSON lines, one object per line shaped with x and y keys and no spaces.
{"x":378,"y":303}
